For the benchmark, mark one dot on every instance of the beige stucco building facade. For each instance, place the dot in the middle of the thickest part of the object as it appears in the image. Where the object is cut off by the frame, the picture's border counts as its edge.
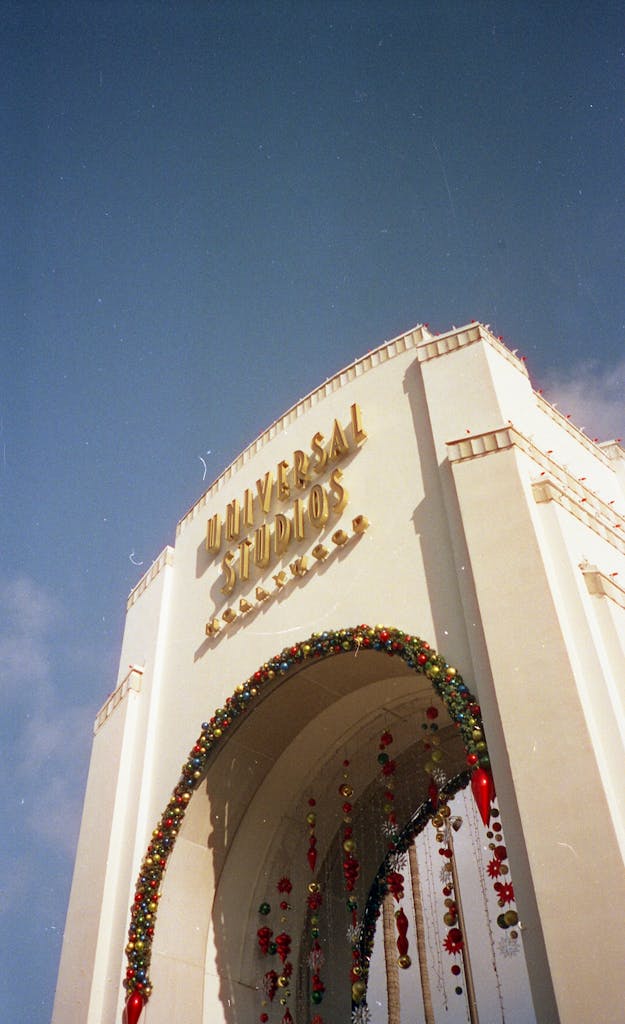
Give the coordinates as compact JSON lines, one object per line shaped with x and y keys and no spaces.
{"x":429,"y":488}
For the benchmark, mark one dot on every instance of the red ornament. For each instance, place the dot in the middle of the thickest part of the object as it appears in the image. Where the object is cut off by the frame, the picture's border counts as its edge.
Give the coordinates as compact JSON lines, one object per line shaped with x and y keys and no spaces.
{"x":433,"y":793}
{"x":270,"y":984}
{"x":402,"y":929}
{"x":482,"y":788}
{"x":454,"y":941}
{"x":264,"y":935}
{"x":133,"y":1008}
{"x":283,"y":943}
{"x":314,"y":901}
{"x":395,"y":882}
{"x":505,"y":891}
{"x":494,"y":867}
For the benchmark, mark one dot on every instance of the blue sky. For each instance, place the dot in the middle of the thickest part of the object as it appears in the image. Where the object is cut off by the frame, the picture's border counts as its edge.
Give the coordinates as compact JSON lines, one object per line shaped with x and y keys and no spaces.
{"x":209,"y":208}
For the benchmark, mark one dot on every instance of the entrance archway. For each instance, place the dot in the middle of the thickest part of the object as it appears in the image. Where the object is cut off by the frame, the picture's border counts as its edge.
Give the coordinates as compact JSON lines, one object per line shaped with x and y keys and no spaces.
{"x":233,"y":826}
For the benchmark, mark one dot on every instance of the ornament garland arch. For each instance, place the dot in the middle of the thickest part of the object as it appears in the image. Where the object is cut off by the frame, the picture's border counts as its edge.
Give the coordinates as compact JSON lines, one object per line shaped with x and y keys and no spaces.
{"x":460,"y":704}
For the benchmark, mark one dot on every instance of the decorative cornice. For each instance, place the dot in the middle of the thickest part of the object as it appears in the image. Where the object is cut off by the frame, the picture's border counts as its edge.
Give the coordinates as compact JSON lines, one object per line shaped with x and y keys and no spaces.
{"x":550,"y":490}
{"x":601,"y":585}
{"x":460,"y":337}
{"x":554,"y":483}
{"x":482,"y":444}
{"x":166,"y":557}
{"x":599,"y":451}
{"x":612,"y":450}
{"x":131,"y":681}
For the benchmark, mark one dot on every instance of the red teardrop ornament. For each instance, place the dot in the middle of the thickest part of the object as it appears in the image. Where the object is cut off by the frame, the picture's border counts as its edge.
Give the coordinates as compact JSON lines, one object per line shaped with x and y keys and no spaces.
{"x":402,"y":929}
{"x":482,"y":788}
{"x":133,"y":1008}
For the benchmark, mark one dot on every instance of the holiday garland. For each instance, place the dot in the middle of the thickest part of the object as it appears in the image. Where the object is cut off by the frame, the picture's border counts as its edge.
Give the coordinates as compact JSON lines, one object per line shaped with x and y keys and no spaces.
{"x":416,"y":653}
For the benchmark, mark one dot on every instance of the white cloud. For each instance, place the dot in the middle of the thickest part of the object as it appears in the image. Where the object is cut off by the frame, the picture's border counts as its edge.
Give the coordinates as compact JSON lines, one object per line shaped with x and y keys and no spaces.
{"x":28,"y":605}
{"x":45,"y":734}
{"x":52,"y":814}
{"x":593,"y":394}
{"x":27,"y":614}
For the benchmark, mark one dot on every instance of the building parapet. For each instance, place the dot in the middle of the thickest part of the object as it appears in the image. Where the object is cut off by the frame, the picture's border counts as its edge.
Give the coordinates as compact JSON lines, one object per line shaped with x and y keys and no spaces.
{"x":598,"y":451}
{"x":166,"y":557}
{"x":460,"y":337}
{"x":601,"y":585}
{"x":554,"y":482}
{"x":131,"y":681}
{"x":613,"y":450}
{"x":550,"y":490}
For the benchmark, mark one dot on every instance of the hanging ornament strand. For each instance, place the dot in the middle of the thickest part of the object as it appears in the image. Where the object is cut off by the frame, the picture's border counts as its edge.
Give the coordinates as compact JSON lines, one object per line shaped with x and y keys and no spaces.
{"x":269,"y":982}
{"x":351,"y":871}
{"x":283,"y":949}
{"x":394,"y":877}
{"x":478,"y":860}
{"x":269,"y":945}
{"x":456,"y":936}
{"x":435,"y":946}
{"x":314,"y":900}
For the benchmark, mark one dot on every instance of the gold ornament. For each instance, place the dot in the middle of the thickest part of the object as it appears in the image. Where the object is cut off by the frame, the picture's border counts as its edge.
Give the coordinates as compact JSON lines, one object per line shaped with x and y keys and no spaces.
{"x":358,"y":991}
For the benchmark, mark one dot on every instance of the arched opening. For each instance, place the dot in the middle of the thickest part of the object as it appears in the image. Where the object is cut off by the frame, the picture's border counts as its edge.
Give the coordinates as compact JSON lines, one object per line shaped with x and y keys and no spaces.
{"x":305,"y":727}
